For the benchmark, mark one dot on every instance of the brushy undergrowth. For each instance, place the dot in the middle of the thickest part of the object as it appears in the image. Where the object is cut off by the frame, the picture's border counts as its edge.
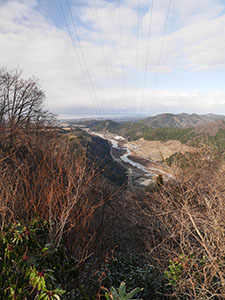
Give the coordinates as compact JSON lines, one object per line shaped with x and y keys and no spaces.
{"x":133,"y":270}
{"x":31,"y":268}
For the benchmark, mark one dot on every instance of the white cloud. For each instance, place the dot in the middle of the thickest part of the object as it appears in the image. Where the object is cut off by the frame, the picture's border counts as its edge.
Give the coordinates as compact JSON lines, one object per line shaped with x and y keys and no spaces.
{"x":195,"y":40}
{"x":201,"y":44}
{"x":172,"y":101}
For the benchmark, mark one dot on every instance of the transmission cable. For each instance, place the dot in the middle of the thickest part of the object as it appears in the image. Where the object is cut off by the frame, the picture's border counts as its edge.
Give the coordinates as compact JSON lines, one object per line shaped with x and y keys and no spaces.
{"x":78,"y":58}
{"x":121,"y":53}
{"x":137,"y":41}
{"x":103,"y":53}
{"x":161,"y":50}
{"x":83,"y":56}
{"x":147,"y":55}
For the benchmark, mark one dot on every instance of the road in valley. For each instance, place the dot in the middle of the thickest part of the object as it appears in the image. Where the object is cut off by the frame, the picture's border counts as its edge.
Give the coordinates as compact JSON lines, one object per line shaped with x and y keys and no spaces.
{"x":142,"y":174}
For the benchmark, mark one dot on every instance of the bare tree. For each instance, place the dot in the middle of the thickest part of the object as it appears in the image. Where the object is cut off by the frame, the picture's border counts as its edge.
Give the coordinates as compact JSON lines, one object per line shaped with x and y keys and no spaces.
{"x":21,"y":105}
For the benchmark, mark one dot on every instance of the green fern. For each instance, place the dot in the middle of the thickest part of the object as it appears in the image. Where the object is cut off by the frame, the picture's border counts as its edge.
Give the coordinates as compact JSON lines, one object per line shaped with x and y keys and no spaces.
{"x":121,"y":294}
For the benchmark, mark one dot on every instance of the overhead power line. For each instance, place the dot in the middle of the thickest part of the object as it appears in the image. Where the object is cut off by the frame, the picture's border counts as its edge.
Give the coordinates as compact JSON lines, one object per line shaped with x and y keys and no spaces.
{"x":137,"y":41}
{"x":161,"y":50}
{"x":121,"y":53}
{"x":83,"y":56}
{"x":78,"y":58}
{"x":89,"y":81}
{"x":103,"y":53}
{"x":147,"y":55}
{"x":80,"y":55}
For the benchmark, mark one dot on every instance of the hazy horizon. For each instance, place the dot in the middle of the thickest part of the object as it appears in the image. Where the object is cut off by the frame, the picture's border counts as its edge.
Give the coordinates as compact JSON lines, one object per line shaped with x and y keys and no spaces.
{"x":118,"y":116}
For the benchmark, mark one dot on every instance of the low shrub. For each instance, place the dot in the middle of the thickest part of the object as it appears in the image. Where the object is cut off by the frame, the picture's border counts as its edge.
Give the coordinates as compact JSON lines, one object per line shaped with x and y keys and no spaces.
{"x":121,"y":294}
{"x":31,"y":268}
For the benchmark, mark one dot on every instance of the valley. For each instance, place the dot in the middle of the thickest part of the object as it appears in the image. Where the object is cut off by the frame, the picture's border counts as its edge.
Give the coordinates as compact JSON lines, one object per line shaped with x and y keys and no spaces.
{"x":144,"y":160}
{"x":149,"y":147}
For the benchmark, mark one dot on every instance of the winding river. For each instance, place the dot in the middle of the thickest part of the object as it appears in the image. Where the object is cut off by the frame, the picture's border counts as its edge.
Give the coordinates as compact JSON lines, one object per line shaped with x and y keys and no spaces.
{"x":125,"y":158}
{"x":114,"y":142}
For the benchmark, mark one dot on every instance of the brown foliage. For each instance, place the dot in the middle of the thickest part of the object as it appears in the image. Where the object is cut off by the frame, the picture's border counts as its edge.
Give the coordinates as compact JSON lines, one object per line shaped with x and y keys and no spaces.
{"x":186,"y":217}
{"x":47,"y":180}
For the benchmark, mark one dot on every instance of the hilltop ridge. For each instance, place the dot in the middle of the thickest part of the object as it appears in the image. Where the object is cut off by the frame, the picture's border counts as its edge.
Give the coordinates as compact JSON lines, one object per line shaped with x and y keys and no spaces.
{"x":186,"y":128}
{"x":182,"y":120}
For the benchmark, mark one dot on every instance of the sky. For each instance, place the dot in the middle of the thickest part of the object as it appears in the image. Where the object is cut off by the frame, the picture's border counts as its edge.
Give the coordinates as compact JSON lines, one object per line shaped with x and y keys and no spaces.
{"x":119,"y":57}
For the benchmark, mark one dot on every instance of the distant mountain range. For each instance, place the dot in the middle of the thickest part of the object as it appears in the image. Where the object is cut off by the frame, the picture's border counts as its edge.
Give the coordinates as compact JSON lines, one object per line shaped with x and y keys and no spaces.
{"x":187,"y":128}
{"x":181,"y":120}
{"x":162,"y":121}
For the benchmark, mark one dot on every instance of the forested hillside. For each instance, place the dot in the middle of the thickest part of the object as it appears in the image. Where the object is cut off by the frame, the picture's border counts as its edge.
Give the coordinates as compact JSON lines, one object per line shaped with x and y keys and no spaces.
{"x":173,"y":127}
{"x":183,"y":120}
{"x":98,"y":152}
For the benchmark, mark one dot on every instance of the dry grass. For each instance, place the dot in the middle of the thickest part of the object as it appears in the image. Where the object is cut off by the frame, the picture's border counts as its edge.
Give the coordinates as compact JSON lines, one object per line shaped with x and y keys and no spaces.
{"x":47,"y":180}
{"x":186,"y":217}
{"x":158,"y":151}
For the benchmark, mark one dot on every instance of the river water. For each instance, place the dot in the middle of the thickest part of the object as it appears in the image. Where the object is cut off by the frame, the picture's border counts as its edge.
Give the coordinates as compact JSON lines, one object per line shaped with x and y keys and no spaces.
{"x":114,"y":142}
{"x":126,"y":159}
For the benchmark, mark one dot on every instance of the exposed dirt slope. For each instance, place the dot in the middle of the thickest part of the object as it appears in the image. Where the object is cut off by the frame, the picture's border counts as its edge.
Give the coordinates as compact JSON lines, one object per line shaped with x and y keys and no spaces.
{"x":156,"y":150}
